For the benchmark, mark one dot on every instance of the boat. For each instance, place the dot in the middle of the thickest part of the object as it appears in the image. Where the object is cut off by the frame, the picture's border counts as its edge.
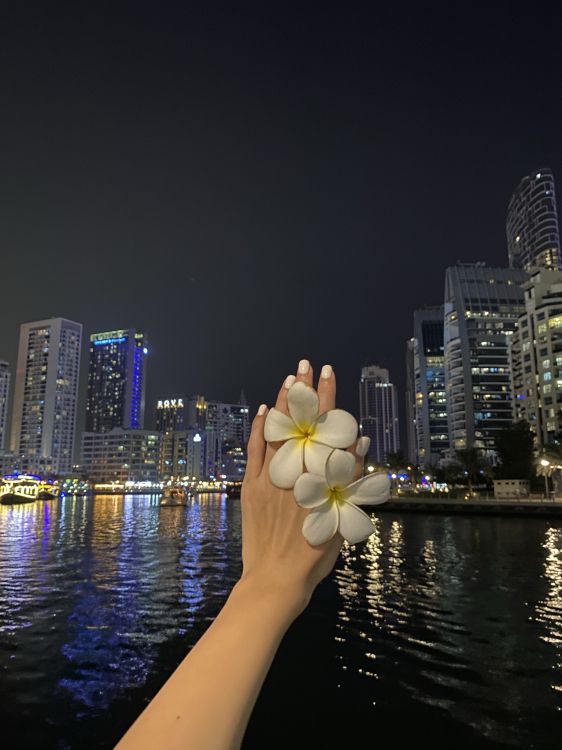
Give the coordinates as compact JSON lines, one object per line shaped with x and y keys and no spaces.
{"x":173,"y":496}
{"x":20,"y":488}
{"x":48,"y":491}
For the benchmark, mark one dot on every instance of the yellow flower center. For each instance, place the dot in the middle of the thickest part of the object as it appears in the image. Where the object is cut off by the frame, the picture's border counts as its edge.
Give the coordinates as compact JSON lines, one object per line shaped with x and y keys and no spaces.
{"x":337,"y":495}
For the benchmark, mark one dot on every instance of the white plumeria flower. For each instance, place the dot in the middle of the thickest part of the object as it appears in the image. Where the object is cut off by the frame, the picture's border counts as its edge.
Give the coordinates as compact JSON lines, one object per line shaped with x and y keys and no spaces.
{"x":334,"y":500}
{"x":309,"y":438}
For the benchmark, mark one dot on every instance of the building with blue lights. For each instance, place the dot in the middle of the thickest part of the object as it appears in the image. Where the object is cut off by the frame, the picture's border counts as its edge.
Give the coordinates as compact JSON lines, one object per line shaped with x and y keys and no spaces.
{"x":45,"y":395}
{"x":116,"y":381}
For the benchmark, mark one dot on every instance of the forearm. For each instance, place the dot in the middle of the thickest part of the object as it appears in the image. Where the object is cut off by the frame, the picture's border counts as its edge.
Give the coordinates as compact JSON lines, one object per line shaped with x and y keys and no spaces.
{"x":206,"y":703}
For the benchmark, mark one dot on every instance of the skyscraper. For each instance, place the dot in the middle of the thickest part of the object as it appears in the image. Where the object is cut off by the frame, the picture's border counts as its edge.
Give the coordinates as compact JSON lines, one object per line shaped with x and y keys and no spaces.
{"x":378,"y":412}
{"x":481,"y":308}
{"x":45,"y":395}
{"x":116,"y":381}
{"x":536,"y":357}
{"x":4,"y":400}
{"x":430,"y":402}
{"x":533,"y":239}
{"x":411,"y":428}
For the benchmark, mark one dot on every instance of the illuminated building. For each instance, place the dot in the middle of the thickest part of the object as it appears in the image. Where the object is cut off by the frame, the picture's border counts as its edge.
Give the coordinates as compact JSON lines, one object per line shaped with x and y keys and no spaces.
{"x":429,"y":402}
{"x":378,"y":412}
{"x":536,"y":357}
{"x":121,"y":455}
{"x":481,"y":308}
{"x":4,"y":399}
{"x":170,"y":414}
{"x":411,"y":431}
{"x":45,"y":395}
{"x":533,"y":239}
{"x":116,"y":381}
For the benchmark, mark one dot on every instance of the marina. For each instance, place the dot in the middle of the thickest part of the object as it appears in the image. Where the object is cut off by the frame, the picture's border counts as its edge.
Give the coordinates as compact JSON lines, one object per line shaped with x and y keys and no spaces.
{"x":103,"y":596}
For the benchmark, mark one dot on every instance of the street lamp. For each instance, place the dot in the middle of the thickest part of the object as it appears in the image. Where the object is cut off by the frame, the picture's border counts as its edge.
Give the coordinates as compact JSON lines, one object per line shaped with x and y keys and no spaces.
{"x":545,"y":463}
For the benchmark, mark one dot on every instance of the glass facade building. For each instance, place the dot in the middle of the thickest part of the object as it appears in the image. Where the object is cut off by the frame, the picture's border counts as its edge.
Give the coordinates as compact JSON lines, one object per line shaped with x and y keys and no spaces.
{"x":482,"y":306}
{"x":116,"y":381}
{"x":533,"y":239}
{"x":45,"y":395}
{"x":378,"y":412}
{"x":429,"y":397}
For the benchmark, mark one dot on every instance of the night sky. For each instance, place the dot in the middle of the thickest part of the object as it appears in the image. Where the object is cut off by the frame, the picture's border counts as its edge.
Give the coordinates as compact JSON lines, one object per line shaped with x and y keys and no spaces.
{"x":251,"y":187}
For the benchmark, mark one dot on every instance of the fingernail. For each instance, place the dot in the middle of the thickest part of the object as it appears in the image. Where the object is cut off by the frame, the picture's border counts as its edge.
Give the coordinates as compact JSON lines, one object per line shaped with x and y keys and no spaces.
{"x":326,"y":372}
{"x":262,"y":410}
{"x":289,"y":381}
{"x":304,"y":366}
{"x":363,"y":445}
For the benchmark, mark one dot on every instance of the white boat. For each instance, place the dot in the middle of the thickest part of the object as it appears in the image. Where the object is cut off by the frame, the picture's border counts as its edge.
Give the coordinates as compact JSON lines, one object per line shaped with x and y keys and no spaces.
{"x":21,"y":488}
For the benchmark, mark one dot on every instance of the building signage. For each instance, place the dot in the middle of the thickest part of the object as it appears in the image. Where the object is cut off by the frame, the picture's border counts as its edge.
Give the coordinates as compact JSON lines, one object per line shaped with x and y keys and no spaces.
{"x":171,"y":403}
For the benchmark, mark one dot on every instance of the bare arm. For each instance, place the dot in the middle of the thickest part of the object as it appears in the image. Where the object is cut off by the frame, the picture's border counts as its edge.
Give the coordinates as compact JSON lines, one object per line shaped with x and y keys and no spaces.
{"x":206,"y":703}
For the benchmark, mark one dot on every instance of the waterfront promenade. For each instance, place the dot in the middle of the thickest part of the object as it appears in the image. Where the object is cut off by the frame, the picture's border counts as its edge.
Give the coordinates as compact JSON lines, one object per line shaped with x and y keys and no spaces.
{"x":480,"y":504}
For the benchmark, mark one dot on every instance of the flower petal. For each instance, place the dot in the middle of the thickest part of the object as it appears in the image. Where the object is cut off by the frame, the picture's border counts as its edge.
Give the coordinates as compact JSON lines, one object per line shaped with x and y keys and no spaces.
{"x":370,"y":490}
{"x":287,"y":464}
{"x":311,"y":490}
{"x":278,"y":426}
{"x":337,"y":428}
{"x":302,"y":401}
{"x":339,"y":469}
{"x":315,"y":457}
{"x":355,"y":525}
{"x":321,"y":524}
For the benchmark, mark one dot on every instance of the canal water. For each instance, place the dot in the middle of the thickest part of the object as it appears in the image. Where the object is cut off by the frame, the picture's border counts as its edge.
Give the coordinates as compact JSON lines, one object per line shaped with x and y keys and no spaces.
{"x":440,"y":630}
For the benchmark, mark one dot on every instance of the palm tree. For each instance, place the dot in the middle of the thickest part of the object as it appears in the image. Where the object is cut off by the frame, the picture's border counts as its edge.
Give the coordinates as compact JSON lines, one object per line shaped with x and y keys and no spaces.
{"x":472,"y":462}
{"x":395,"y":461}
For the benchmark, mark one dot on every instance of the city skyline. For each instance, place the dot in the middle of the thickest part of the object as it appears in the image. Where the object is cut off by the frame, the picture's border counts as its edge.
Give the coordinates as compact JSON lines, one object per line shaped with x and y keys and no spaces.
{"x":219,"y":174}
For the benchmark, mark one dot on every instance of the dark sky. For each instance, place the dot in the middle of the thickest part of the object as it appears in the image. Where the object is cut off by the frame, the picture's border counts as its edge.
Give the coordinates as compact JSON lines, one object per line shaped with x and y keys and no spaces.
{"x":254,"y":186}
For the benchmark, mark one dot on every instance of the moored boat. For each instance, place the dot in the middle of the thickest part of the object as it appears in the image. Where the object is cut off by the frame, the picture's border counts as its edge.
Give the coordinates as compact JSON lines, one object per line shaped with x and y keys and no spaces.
{"x":23,"y":488}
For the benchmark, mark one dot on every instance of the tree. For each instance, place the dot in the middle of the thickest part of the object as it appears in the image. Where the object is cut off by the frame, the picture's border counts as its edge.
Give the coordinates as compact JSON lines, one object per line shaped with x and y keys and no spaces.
{"x":514,"y":445}
{"x":472,"y":462}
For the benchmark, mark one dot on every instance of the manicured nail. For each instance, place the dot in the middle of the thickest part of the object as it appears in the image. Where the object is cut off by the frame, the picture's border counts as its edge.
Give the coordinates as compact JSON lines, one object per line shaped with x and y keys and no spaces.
{"x":289,"y":381}
{"x":363,"y":445}
{"x":304,"y":366}
{"x":326,"y":372}
{"x":262,"y":410}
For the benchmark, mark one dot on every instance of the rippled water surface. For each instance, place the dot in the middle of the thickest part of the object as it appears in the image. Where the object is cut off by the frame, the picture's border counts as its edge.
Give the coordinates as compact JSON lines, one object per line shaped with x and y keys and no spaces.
{"x":440,"y":630}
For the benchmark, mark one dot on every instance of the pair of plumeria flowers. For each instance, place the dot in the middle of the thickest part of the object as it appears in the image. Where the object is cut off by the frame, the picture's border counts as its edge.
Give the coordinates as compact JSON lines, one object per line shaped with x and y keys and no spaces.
{"x":318,"y":444}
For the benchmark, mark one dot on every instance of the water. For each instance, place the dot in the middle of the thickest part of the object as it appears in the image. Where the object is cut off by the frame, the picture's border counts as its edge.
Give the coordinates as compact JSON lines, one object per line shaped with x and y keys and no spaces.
{"x":441,"y":629}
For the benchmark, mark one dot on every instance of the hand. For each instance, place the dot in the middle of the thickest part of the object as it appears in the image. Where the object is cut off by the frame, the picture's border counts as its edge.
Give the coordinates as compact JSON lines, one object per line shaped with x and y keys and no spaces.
{"x":276,"y":556}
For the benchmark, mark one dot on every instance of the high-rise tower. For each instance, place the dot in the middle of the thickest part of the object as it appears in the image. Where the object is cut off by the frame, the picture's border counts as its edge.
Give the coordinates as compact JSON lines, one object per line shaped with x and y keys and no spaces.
{"x":45,"y":395}
{"x":482,"y":306}
{"x":378,"y":412}
{"x":116,"y":381}
{"x":533,"y":239}
{"x":4,"y":399}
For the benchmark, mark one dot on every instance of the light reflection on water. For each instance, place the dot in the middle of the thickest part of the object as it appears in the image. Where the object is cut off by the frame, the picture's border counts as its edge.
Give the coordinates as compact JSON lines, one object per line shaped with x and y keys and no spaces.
{"x":452,"y":621}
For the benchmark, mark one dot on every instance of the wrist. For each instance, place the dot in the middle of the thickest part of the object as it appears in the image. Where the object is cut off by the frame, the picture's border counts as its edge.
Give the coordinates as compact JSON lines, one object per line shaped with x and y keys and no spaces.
{"x":283,"y":600}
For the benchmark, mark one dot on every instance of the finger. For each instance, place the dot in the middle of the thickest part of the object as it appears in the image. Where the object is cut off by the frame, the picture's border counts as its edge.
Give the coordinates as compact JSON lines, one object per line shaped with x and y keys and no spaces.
{"x":280,"y":404}
{"x":327,"y":389}
{"x":256,"y":444}
{"x":360,"y":449}
{"x":304,"y":372}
